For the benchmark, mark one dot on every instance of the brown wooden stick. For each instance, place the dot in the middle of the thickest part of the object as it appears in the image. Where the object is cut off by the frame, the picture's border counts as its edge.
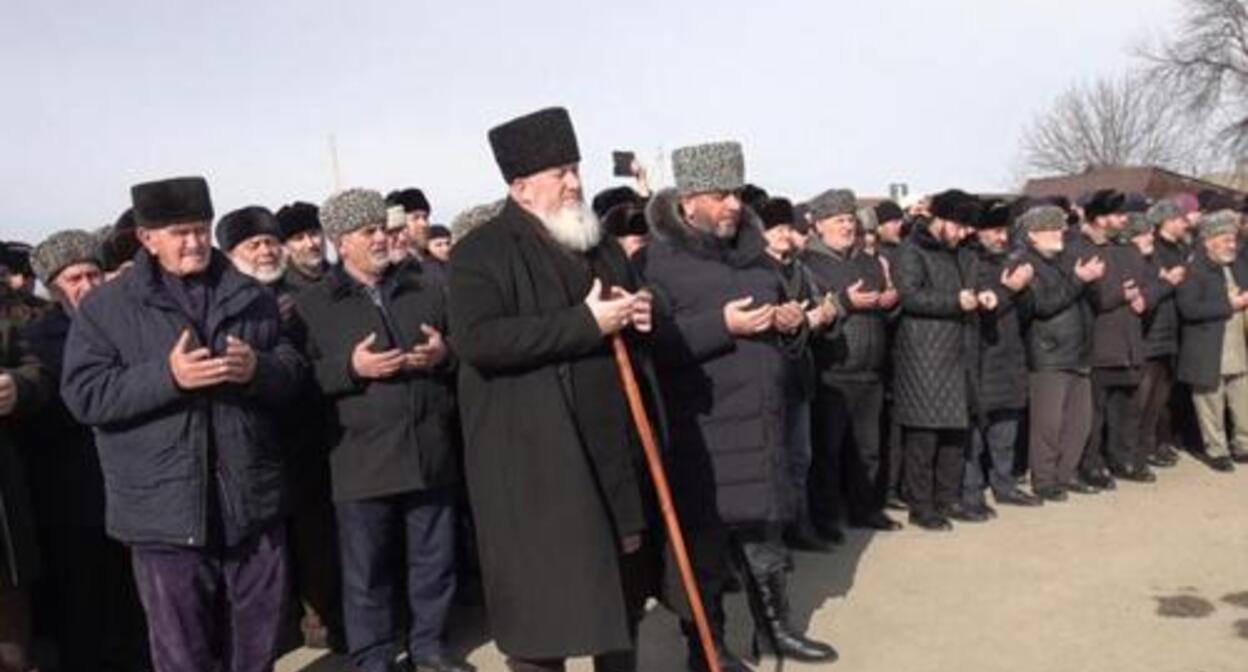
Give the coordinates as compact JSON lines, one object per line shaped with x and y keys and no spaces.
{"x":624,"y":364}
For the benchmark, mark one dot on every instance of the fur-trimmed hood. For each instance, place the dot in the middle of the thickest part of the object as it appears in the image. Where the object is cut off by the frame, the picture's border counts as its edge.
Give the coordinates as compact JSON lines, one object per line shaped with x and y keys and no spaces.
{"x":667,"y":224}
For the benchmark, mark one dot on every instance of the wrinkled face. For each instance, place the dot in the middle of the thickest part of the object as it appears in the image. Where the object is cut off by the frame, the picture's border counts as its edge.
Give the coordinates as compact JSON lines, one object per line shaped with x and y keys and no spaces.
{"x":715,"y":212}
{"x":366,"y":250}
{"x":418,"y":229}
{"x":547,"y":192}
{"x":779,"y":240}
{"x":1144,"y":243}
{"x":440,"y":249}
{"x":1221,"y":248}
{"x":306,"y":249}
{"x":260,"y":257}
{"x":949,"y":232}
{"x":181,"y":249}
{"x":71,"y":285}
{"x":838,"y":232}
{"x":397,"y":242}
{"x":995,"y":239}
{"x":1047,"y":243}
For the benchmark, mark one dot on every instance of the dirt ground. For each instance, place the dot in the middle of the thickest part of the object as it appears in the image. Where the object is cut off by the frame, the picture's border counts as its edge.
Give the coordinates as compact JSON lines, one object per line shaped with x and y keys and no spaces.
{"x":1152,"y":577}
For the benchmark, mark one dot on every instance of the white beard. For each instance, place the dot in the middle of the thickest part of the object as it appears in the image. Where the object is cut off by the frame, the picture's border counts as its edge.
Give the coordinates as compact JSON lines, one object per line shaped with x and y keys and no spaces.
{"x":576,"y":227}
{"x":265,"y":276}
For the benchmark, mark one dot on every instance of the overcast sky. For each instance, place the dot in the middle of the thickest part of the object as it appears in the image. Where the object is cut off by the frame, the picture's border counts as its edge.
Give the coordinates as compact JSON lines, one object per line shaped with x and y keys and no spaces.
{"x":101,"y":94}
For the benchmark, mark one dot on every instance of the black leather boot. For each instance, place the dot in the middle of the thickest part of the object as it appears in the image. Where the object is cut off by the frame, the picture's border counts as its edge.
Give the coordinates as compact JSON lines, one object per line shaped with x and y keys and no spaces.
{"x":772,"y":632}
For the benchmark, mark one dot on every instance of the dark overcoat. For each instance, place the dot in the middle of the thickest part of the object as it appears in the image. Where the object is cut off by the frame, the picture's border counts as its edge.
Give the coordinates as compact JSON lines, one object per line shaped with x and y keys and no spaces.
{"x":19,"y":556}
{"x":1204,"y":308}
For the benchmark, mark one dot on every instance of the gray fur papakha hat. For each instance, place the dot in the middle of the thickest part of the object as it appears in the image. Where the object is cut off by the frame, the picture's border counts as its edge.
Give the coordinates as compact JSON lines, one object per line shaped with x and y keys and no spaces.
{"x":1164,"y":211}
{"x":472,"y":218}
{"x":831,"y":203}
{"x":1042,"y":218}
{"x":714,"y":166}
{"x":1218,"y":223}
{"x":352,"y":209}
{"x":1137,"y":225}
{"x":61,"y":250}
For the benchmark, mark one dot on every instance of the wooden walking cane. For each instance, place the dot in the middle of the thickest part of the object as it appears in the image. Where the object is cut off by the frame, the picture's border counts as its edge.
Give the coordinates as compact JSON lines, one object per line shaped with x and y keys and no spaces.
{"x":624,"y":364}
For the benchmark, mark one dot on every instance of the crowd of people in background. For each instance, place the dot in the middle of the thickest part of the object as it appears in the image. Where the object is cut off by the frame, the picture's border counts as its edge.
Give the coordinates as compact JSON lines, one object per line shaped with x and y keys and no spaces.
{"x":211,"y":455}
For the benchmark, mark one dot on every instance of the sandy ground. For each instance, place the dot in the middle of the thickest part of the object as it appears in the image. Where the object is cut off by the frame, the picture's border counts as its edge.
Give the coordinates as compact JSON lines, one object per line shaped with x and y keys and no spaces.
{"x":1152,"y":577}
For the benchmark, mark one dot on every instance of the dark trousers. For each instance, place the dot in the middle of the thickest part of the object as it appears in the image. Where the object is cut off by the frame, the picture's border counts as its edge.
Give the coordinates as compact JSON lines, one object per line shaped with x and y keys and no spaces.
{"x":314,"y":559}
{"x":211,"y":609}
{"x":1059,"y":419}
{"x":395,"y":550}
{"x":846,"y":451}
{"x":1114,"y":438}
{"x":996,"y":440}
{"x":1153,"y":399}
{"x":14,"y":630}
{"x":87,"y":602}
{"x":935,"y":460}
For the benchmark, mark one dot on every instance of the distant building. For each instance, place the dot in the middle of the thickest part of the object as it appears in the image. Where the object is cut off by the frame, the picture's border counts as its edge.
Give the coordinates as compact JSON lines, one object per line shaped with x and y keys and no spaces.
{"x":1151,"y":181}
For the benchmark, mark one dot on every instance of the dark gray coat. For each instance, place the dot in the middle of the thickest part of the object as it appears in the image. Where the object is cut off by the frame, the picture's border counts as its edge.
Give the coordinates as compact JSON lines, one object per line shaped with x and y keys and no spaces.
{"x":19,"y":555}
{"x":1000,"y":382}
{"x":157,"y":441}
{"x":857,"y":349}
{"x":1161,"y":324}
{"x":725,"y":394}
{"x":1204,"y":308}
{"x":385,"y":436}
{"x":1057,"y":319}
{"x":934,"y":351}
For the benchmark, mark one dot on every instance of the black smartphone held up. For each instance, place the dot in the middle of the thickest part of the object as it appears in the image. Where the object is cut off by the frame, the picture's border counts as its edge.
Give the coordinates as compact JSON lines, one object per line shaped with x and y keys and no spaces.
{"x":623,"y":163}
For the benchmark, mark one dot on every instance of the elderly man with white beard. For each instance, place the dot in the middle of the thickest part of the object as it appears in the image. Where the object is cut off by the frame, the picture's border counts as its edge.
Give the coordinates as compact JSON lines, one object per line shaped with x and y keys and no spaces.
{"x":552,"y":464}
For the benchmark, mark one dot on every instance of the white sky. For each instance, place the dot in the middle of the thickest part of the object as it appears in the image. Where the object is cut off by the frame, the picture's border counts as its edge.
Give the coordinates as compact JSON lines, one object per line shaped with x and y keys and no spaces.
{"x":101,"y":94}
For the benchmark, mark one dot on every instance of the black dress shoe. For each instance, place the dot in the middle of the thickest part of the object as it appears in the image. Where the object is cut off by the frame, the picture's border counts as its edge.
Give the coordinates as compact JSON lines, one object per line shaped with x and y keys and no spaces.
{"x":1239,"y":457}
{"x":878,"y":521}
{"x":988,"y":511}
{"x":1140,"y":474}
{"x":1222,"y":464}
{"x":962,"y":513}
{"x":1161,"y":460}
{"x":930,"y":521}
{"x":1051,"y":493}
{"x":1017,"y":497}
{"x":1079,"y":487}
{"x":1098,"y":480}
{"x":439,"y":663}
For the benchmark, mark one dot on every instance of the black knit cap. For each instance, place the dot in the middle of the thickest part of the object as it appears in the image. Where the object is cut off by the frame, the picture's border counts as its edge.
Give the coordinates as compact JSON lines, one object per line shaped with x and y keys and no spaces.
{"x":957,"y":206}
{"x":411,"y":199}
{"x":164,"y":202}
{"x":777,"y":211}
{"x":296,"y":218}
{"x":249,"y":222}
{"x":996,"y":214}
{"x":887,"y":211}
{"x":437,"y":231}
{"x":1104,"y":202}
{"x":534,"y":142}
{"x":609,"y":198}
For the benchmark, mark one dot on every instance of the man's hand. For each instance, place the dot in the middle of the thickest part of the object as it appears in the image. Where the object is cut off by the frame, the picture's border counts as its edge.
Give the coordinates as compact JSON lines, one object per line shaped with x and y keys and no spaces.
{"x":968,"y":301}
{"x":1138,"y":305}
{"x":823,"y":314}
{"x":889,"y":298}
{"x":1239,"y":300}
{"x":862,"y":299}
{"x":240,"y":360}
{"x":1090,"y":270}
{"x":429,"y":354}
{"x":1130,"y":291}
{"x":630,"y":544}
{"x":790,"y":316}
{"x":1175,"y":275}
{"x":196,"y":369}
{"x":1018,"y":278}
{"x":987,"y":300}
{"x":642,"y":318}
{"x":370,"y":365}
{"x":612,"y":313}
{"x":8,"y":394}
{"x":286,"y":306}
{"x":742,"y":320}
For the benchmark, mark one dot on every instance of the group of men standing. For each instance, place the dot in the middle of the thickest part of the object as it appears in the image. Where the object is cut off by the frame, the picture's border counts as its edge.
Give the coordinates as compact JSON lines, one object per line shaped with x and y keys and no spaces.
{"x":256,"y":422}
